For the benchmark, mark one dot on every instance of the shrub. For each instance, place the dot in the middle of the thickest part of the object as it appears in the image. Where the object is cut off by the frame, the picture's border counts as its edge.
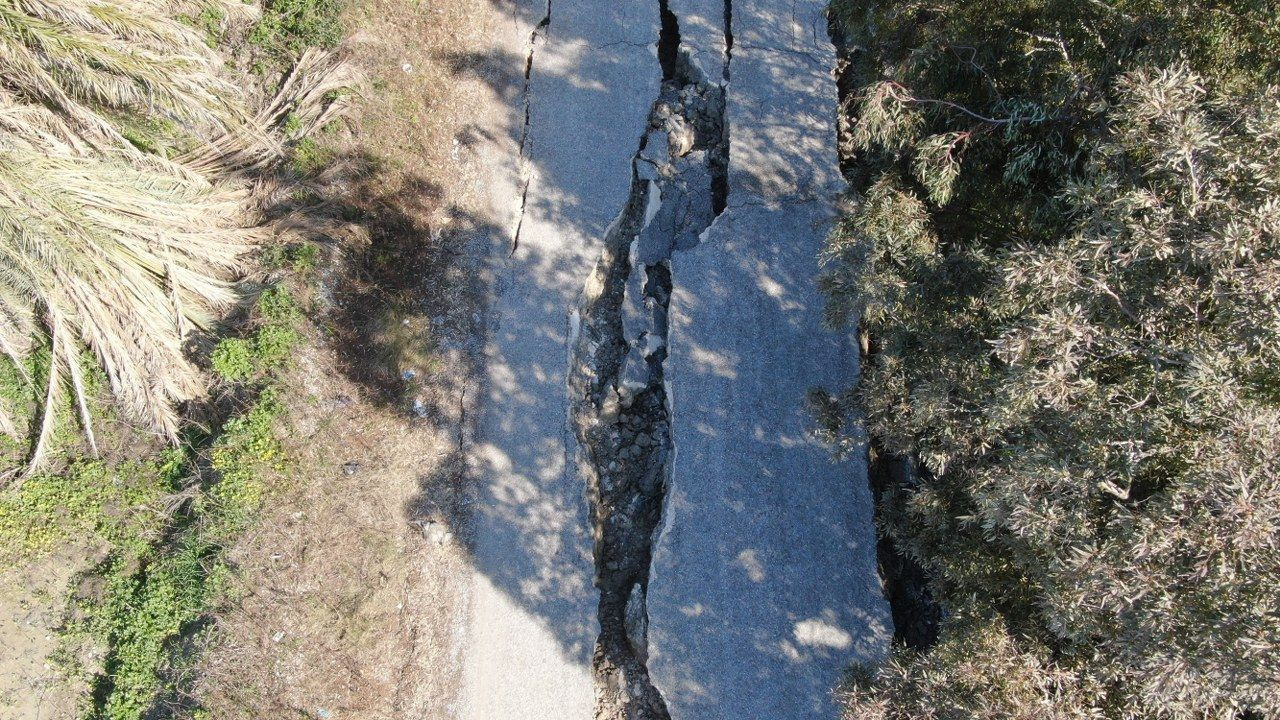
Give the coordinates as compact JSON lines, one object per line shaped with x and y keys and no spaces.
{"x":1066,"y":256}
{"x":977,"y":671}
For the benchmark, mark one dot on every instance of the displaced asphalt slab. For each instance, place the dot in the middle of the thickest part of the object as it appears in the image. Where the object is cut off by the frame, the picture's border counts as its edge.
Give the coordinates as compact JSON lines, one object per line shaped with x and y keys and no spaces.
{"x":764,"y":584}
{"x":560,"y":180}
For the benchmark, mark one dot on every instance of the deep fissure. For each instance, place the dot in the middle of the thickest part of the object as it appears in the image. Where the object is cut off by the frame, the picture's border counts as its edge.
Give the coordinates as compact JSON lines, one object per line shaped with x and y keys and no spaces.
{"x":916,"y":614}
{"x":728,"y":39}
{"x":620,"y":408}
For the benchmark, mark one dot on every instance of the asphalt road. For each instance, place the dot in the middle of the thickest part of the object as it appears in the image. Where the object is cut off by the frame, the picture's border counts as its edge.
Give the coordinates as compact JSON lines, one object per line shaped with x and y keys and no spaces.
{"x":764,"y":583}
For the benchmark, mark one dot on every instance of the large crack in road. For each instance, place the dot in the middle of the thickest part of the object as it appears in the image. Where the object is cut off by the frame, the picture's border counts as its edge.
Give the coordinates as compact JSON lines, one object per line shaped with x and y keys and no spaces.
{"x":619,"y":403}
{"x":735,"y":577}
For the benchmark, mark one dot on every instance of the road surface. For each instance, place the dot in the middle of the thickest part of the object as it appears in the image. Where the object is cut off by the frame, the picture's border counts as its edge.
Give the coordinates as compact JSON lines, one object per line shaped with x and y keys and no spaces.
{"x":763,"y":585}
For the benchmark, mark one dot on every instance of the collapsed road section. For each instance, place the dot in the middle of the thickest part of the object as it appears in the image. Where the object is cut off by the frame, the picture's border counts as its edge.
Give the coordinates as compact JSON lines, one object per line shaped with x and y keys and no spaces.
{"x":658,"y":534}
{"x":620,"y":410}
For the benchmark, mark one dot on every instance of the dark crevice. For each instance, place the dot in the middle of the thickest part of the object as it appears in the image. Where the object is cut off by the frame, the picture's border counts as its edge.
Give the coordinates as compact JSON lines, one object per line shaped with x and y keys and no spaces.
{"x":668,"y":41}
{"x":916,"y":614}
{"x":539,"y":30}
{"x":620,"y":409}
{"x":720,"y":159}
{"x":728,"y":38}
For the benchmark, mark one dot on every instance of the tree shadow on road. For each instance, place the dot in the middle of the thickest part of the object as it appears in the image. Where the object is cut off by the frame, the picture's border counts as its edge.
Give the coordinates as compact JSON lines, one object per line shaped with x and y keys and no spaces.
{"x":530,"y":532}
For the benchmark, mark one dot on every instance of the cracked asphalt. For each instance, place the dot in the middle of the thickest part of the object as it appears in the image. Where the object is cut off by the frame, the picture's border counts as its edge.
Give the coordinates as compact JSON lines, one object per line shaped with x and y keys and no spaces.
{"x":763,"y":584}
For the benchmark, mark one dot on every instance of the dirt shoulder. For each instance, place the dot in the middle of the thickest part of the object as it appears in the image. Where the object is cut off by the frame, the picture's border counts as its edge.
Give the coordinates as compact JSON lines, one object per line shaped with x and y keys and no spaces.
{"x":346,"y":592}
{"x":351,"y":584}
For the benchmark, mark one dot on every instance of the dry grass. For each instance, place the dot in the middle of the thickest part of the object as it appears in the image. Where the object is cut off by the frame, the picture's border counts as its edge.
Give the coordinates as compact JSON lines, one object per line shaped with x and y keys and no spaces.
{"x":351,"y":586}
{"x":411,"y":117}
{"x":346,"y":602}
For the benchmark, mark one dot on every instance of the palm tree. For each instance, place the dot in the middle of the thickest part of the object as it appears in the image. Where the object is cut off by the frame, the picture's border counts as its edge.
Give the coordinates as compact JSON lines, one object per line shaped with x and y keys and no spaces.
{"x":102,"y":245}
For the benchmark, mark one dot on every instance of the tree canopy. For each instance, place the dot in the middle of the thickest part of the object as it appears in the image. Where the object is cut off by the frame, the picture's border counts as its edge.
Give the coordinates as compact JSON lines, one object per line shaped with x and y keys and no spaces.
{"x":1066,"y":257}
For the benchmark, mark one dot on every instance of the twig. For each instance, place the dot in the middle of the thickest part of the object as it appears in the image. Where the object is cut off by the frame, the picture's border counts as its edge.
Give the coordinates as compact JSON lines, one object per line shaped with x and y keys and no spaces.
{"x":895,"y":87}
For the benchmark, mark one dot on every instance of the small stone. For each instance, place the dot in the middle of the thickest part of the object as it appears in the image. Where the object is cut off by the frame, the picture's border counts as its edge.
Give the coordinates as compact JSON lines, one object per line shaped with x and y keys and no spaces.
{"x":636,"y":622}
{"x":419,"y":408}
{"x":351,"y":467}
{"x":277,"y":637}
{"x":436,"y":532}
{"x":609,"y":406}
{"x":410,"y":373}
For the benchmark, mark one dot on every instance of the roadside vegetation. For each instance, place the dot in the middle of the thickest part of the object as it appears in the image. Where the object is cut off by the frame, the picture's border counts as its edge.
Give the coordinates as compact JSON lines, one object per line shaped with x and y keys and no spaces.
{"x":1066,"y":260}
{"x":235,"y":337}
{"x":148,"y":309}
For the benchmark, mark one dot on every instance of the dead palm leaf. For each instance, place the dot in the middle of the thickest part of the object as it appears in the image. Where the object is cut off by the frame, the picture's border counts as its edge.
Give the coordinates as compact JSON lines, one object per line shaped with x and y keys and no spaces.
{"x":103,"y":246}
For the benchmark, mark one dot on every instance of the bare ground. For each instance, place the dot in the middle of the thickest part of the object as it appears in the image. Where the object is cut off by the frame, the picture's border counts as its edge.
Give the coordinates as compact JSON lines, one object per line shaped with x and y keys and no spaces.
{"x":32,"y":603}
{"x":353,"y":579}
{"x":348,"y":588}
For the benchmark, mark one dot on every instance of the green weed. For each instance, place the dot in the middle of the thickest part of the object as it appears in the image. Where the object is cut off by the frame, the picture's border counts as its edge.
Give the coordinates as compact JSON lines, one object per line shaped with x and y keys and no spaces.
{"x":22,"y":391}
{"x":302,"y":258}
{"x":233,"y":360}
{"x":153,"y":593}
{"x":209,"y":21}
{"x":288,"y":27}
{"x":164,"y":572}
{"x":119,"y":505}
{"x":310,"y":157}
{"x":158,"y":581}
{"x":292,"y":126}
{"x":268,"y":349}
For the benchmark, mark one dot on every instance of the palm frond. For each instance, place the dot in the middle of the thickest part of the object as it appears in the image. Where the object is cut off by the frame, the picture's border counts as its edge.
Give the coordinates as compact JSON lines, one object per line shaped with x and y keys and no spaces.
{"x":119,"y":257}
{"x":108,"y":248}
